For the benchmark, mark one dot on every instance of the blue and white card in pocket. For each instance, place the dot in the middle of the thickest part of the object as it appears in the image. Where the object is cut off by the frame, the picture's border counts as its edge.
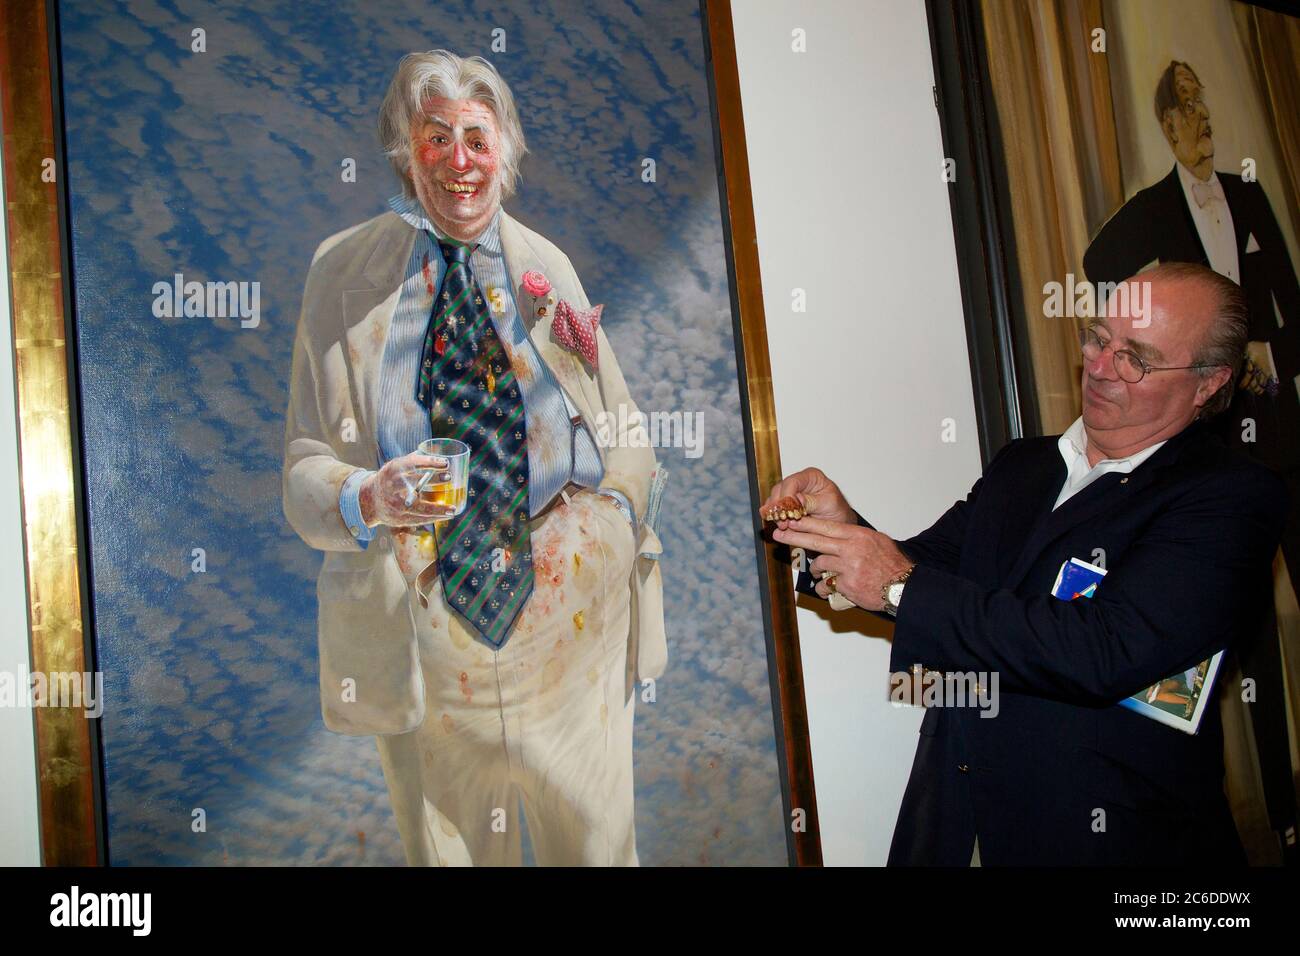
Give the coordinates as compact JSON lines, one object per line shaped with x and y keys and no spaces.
{"x":1077,"y":579}
{"x":1178,"y":701}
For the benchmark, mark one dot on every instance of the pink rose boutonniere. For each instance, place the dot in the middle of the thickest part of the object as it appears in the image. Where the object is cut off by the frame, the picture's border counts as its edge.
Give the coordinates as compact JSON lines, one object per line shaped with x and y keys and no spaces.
{"x":536,"y":284}
{"x":539,"y":287}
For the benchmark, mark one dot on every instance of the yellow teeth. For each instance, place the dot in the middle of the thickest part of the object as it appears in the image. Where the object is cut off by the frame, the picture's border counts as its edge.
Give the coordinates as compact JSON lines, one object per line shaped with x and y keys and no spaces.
{"x":459,"y":187}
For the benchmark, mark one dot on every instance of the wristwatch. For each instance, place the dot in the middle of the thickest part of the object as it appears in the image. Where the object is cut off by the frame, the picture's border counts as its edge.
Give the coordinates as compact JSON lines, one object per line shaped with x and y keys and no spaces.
{"x":891,"y":592}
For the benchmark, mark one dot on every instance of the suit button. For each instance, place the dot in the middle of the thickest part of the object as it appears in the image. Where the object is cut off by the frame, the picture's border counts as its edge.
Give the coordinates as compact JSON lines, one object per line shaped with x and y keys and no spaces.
{"x":356,"y":532}
{"x":964,"y":768}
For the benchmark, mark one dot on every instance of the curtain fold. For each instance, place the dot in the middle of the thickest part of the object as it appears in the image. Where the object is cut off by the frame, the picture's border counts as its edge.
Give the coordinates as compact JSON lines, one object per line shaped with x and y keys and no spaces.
{"x":1052,"y":99}
{"x":1275,"y":39}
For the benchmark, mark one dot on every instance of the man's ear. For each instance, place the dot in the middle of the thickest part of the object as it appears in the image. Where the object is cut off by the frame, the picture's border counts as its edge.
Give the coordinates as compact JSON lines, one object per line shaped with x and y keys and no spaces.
{"x":1210,"y":385}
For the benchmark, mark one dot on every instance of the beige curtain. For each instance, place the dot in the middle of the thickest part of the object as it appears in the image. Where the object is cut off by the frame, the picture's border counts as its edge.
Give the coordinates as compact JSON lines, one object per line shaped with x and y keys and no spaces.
{"x":1275,"y":40}
{"x":1052,"y":98}
{"x":1062,"y":168}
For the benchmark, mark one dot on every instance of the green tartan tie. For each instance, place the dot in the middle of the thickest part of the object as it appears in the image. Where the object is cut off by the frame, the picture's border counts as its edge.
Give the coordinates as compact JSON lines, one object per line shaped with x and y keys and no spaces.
{"x":466,"y":381}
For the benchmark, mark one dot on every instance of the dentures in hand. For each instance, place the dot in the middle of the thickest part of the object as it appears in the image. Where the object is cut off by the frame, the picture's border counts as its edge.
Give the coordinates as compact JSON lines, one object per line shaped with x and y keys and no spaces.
{"x":788,"y":508}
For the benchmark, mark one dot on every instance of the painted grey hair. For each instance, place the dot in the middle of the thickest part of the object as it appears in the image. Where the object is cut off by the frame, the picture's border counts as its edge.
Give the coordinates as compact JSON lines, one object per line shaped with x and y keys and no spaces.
{"x":442,"y":73}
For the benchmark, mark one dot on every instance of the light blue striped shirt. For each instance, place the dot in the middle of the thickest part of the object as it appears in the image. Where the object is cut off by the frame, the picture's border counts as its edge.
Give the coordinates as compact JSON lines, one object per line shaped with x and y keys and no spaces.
{"x":558,"y":449}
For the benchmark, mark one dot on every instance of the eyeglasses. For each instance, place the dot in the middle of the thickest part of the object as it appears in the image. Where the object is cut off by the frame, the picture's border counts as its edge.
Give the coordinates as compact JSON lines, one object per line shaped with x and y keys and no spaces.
{"x":1129,"y":366}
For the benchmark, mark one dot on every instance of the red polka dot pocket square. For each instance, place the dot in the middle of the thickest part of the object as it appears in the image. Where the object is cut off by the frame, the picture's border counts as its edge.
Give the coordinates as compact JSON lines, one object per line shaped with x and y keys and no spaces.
{"x":575,"y":329}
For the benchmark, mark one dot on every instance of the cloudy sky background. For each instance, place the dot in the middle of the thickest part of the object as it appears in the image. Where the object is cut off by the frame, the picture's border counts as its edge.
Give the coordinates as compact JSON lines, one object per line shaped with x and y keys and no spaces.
{"x":225,"y":166}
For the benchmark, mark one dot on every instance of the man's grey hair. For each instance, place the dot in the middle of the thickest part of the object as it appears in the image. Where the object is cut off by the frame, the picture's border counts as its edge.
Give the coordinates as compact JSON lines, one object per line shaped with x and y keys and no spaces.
{"x":1225,"y":343}
{"x":441,"y":73}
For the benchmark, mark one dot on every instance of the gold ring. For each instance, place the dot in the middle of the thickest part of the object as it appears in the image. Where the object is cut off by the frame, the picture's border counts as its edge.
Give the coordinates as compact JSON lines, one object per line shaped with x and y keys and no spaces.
{"x":829,"y":578}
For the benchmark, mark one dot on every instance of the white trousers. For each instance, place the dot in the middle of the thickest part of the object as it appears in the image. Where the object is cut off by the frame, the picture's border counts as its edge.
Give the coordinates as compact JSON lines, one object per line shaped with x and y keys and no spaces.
{"x":546,"y":720}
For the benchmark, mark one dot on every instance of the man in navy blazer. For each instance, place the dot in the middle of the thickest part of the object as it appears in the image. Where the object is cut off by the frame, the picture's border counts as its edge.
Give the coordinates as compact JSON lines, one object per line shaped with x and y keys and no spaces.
{"x":1187,"y":527}
{"x":1224,"y":220}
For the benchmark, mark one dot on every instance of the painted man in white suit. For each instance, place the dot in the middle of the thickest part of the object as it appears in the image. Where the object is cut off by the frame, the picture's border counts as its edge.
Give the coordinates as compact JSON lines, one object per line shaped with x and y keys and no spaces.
{"x":474,"y":714}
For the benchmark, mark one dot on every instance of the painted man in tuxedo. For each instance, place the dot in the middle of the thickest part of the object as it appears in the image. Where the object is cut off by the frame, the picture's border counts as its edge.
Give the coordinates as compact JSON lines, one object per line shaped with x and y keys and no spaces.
{"x":492,"y":651}
{"x":1189,"y":527}
{"x":1218,"y":218}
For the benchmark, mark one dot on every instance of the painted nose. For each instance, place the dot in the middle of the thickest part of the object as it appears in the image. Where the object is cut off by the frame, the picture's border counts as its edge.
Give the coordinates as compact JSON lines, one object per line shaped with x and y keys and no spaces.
{"x":460,"y":158}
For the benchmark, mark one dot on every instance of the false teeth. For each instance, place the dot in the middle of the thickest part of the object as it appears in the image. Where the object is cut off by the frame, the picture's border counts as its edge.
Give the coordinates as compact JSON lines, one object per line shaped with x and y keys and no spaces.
{"x":788,"y":508}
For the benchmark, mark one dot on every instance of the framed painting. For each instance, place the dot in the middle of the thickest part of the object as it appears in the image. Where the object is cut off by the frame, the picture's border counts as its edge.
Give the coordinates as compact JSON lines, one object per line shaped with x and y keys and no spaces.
{"x":1091,"y":140}
{"x":394,"y":409}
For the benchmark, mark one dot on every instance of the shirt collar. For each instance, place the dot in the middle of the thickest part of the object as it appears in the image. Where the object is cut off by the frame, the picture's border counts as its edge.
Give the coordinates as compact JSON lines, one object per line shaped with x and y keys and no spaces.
{"x":1188,"y":179}
{"x":1074,"y":445}
{"x":409,"y":208}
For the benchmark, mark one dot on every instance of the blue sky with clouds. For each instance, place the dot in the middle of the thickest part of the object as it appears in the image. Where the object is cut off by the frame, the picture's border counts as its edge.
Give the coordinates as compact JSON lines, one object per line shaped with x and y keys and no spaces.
{"x":225,"y":166}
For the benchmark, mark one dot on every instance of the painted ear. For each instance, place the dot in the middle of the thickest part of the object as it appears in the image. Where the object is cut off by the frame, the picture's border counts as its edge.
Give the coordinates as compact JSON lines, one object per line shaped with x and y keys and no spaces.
{"x":1167,"y":127}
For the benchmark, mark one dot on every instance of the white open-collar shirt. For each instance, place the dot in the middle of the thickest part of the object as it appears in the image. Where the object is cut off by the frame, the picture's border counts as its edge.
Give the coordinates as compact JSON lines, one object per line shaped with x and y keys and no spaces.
{"x":1078,"y":473}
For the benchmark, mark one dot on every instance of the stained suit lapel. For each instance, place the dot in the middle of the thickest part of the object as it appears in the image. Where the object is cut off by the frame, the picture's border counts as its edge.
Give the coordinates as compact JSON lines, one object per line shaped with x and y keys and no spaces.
{"x":521,"y":257}
{"x":364,"y":335}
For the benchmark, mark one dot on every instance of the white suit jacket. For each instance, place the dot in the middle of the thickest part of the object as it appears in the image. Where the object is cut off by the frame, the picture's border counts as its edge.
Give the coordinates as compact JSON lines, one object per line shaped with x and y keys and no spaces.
{"x":366,"y":624}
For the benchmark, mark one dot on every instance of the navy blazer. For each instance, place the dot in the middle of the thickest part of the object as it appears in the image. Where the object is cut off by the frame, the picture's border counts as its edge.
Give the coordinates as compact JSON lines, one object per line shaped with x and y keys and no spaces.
{"x":1189,"y":538}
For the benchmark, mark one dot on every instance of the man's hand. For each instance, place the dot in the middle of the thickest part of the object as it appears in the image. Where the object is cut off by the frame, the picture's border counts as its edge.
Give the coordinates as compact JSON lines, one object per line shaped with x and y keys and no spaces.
{"x":862,"y":560}
{"x":383,"y":495}
{"x":820,"y":497}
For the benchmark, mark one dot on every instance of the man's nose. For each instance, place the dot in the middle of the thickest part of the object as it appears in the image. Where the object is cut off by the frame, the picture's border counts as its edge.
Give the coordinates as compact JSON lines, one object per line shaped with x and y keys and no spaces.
{"x":1101,"y":366}
{"x":460,"y":158}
